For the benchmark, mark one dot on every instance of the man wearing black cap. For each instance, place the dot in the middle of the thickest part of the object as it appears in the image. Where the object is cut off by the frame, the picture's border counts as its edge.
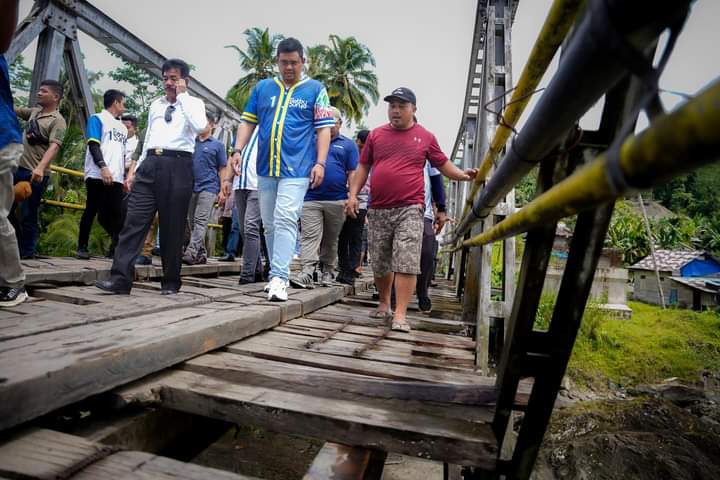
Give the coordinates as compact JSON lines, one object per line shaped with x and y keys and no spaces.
{"x":397,"y":153}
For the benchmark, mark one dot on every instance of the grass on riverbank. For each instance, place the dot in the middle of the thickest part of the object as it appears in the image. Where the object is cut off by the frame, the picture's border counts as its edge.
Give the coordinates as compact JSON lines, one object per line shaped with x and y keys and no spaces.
{"x":653,"y":345}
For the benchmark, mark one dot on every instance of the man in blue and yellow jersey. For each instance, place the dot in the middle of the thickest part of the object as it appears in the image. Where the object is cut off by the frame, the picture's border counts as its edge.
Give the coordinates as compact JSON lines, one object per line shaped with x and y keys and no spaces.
{"x":294,"y":119}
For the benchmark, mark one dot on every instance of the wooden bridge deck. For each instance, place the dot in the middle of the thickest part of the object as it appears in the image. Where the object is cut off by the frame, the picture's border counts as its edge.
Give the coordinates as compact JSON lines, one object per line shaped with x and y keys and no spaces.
{"x":315,"y":366}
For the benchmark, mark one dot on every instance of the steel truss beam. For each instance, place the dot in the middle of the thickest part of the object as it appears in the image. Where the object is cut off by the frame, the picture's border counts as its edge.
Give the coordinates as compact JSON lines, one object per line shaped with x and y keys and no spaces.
{"x":57,"y":22}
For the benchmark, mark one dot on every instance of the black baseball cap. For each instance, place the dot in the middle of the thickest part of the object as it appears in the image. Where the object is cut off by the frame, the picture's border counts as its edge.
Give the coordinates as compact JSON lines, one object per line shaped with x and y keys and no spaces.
{"x":403,"y":94}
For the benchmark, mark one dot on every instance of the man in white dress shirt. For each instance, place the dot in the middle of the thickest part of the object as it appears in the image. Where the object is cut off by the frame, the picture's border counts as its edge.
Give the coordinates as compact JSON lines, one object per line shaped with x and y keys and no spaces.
{"x":161,"y":182}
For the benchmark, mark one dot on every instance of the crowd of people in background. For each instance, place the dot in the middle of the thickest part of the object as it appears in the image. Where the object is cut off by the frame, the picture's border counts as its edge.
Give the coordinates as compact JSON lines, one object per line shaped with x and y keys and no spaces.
{"x":290,"y":176}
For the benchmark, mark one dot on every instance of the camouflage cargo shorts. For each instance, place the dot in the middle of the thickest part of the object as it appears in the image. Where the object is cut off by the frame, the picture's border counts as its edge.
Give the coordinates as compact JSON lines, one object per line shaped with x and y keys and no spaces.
{"x":395,"y":239}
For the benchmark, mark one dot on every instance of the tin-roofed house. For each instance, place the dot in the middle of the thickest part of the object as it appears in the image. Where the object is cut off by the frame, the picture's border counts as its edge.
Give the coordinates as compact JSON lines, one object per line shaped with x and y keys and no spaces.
{"x":689,"y":279}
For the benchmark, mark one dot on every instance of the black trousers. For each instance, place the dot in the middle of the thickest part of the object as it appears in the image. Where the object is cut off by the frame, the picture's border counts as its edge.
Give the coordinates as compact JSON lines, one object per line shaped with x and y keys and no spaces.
{"x":163,"y":184}
{"x":427,"y":260}
{"x":105,"y":201}
{"x":350,"y":243}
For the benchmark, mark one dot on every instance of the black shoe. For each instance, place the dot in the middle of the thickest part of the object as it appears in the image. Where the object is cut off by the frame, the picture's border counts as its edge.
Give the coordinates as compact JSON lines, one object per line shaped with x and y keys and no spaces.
{"x":261,"y":277}
{"x":155,"y":252}
{"x":424,"y":305}
{"x":109,"y":286}
{"x":245,"y":281}
{"x":27,"y":257}
{"x":345,"y":279}
{"x":227,"y":258}
{"x":83,"y":254}
{"x":143,"y":260}
{"x":11,"y":296}
{"x":169,"y":291}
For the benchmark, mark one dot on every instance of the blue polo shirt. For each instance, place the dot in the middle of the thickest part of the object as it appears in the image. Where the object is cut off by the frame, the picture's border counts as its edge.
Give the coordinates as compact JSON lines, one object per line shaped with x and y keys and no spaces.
{"x":9,"y":125}
{"x":209,"y":156}
{"x":342,"y":158}
{"x":287,"y":119}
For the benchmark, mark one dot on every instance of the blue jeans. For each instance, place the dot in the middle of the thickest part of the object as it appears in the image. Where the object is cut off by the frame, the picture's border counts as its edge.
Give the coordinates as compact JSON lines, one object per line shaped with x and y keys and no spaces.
{"x":27,"y":227}
{"x":281,"y":201}
{"x":234,"y":237}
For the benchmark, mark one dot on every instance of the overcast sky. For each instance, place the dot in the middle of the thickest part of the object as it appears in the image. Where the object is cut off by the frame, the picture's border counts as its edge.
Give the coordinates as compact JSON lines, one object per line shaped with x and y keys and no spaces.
{"x":420,"y":44}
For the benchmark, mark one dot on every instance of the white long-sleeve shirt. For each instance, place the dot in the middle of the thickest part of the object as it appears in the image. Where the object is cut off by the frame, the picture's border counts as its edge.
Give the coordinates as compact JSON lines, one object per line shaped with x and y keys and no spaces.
{"x":188,"y":119}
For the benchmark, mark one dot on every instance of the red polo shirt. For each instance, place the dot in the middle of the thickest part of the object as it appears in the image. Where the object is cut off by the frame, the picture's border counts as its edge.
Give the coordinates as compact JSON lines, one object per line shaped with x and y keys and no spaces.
{"x":397,"y":159}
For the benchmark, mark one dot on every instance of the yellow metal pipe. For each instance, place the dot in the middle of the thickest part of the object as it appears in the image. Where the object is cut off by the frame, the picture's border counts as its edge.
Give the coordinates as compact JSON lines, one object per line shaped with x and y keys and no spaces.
{"x":76,"y":206}
{"x":79,"y":206}
{"x":66,"y":171}
{"x":560,"y":18}
{"x":675,"y":143}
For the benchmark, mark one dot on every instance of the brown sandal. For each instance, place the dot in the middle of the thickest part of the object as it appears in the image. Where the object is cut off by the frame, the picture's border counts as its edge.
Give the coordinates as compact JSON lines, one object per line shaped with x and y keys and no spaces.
{"x":400,"y":326}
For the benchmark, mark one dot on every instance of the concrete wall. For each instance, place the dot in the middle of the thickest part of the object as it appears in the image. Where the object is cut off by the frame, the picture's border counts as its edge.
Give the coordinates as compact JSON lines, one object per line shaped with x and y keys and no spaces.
{"x":610,"y":283}
{"x":645,"y":287}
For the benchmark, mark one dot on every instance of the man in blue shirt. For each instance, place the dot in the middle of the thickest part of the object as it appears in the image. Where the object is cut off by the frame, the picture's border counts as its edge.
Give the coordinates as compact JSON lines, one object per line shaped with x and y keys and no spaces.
{"x":323,"y":212}
{"x":209,"y":160}
{"x":12,"y":277}
{"x":294,"y":117}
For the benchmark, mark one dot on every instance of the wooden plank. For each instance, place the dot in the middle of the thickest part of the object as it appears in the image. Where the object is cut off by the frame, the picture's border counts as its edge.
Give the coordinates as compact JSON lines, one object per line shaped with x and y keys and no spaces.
{"x":443,"y":400}
{"x":399,"y":354}
{"x":353,"y":365}
{"x":46,"y":454}
{"x":312,"y":334}
{"x":350,"y":423}
{"x":414,"y":336}
{"x":50,"y":370}
{"x":416,"y":322}
{"x":341,"y":462}
{"x":146,"y":466}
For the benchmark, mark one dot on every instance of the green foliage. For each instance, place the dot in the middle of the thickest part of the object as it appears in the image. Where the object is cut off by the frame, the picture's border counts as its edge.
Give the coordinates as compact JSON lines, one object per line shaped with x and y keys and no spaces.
{"x":655,"y":344}
{"x":525,"y":189}
{"x":146,"y":87}
{"x":258,"y":61}
{"x":20,"y":80}
{"x":346,"y":68}
{"x":627,"y":233}
{"x":61,"y":235}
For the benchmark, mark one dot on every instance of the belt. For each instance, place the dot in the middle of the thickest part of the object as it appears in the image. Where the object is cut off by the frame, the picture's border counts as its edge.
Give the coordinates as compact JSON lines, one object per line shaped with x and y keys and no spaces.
{"x":164,"y":152}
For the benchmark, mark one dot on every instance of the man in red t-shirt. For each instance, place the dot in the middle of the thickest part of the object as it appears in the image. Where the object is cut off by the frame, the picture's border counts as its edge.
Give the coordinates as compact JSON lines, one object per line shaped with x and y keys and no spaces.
{"x":396,"y":154}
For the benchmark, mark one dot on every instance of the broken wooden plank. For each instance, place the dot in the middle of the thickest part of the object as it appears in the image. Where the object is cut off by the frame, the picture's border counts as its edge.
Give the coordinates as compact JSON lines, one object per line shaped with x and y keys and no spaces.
{"x":464,"y":402}
{"x":399,"y":353}
{"x":352,"y":364}
{"x":341,"y":462}
{"x":350,"y":423}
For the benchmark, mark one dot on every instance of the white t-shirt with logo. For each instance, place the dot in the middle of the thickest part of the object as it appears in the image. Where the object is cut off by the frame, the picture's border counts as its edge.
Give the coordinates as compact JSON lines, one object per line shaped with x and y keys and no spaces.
{"x":111,"y":134}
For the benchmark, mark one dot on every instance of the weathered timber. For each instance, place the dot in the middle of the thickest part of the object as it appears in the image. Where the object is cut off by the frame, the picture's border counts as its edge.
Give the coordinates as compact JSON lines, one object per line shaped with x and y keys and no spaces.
{"x":50,"y":370}
{"x":353,"y":364}
{"x":47,"y":454}
{"x":442,"y":400}
{"x":146,"y":466}
{"x":340,"y":462}
{"x":364,"y":339}
{"x":417,"y":322}
{"x":399,"y":354}
{"x":414,"y":336}
{"x":341,"y":421}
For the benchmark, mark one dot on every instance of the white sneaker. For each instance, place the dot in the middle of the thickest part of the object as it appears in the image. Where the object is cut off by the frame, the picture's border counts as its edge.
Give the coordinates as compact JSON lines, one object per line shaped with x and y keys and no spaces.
{"x":278,"y":290}
{"x":266,"y":288}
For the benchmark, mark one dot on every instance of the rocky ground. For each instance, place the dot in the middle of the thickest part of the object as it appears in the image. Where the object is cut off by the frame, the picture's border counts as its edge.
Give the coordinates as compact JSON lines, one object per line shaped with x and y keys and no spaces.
{"x":665,"y":431}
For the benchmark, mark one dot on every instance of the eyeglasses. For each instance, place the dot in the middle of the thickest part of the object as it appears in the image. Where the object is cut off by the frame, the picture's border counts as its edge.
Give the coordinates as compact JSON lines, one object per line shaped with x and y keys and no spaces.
{"x":168,"y":113}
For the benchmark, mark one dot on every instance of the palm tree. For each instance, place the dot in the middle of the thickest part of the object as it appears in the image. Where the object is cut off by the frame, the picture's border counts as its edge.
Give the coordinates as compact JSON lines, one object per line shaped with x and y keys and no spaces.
{"x":258,"y":61}
{"x":344,"y":67}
